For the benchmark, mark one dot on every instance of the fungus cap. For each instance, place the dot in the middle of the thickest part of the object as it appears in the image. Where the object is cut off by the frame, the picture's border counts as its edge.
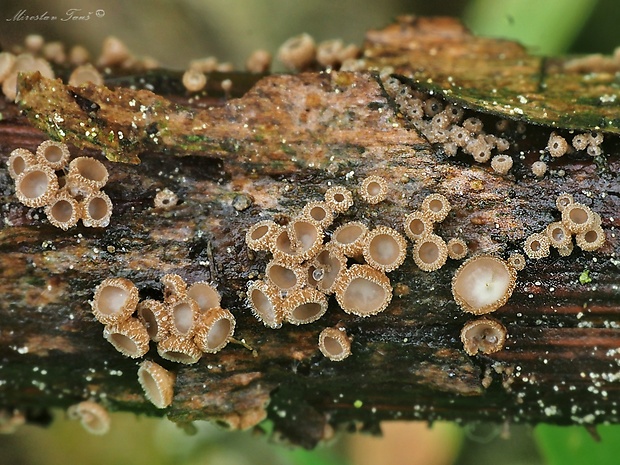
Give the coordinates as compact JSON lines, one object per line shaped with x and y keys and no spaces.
{"x":436,"y":206}
{"x":155,"y":318}
{"x":373,"y":189}
{"x":557,"y":145}
{"x":194,"y":80}
{"x":285,"y":278}
{"x":417,"y":225}
{"x":53,"y":154}
{"x":7,"y":61}
{"x":591,"y":239}
{"x":430,"y":252}
{"x":501,"y":163}
{"x":539,"y":168}
{"x":157,"y":383}
{"x":350,"y":237}
{"x":326,"y":268}
{"x":94,"y":418}
{"x":457,"y":248}
{"x":175,"y":287}
{"x":19,"y":160}
{"x":179,"y":349}
{"x":259,"y":61}
{"x":265,"y":303}
{"x":129,"y":337}
{"x":334,"y":344}
{"x":115,"y":300}
{"x":297,"y":52}
{"x":363,"y":291}
{"x":319,"y":212}
{"x":36,"y":186}
{"x":85,"y":74}
{"x":339,"y":199}
{"x":260,"y":235}
{"x":215,"y":329}
{"x":566,"y":251}
{"x":96,"y":210}
{"x":559,"y":236}
{"x":87,"y":174}
{"x":63,"y":211}
{"x":165,"y":199}
{"x":299,"y":241}
{"x":537,"y":246}
{"x":205,"y":295}
{"x":328,"y":52}
{"x":384,"y":249}
{"x":577,"y":217}
{"x":563,"y":201}
{"x":184,"y":315}
{"x":485,"y":335}
{"x":304,"y":306}
{"x":113,"y":52}
{"x":483,"y":283}
{"x":517,"y":261}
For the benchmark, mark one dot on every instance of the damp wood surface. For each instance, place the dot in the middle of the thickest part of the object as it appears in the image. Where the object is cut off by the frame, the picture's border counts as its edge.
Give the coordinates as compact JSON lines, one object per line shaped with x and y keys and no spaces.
{"x":264,"y":155}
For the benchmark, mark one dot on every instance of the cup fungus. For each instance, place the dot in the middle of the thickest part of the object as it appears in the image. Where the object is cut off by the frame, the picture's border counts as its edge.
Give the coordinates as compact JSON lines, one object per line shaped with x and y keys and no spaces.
{"x":430,"y":252}
{"x":36,"y":186}
{"x":53,"y":154}
{"x":87,"y":174}
{"x":326,"y":268}
{"x":157,"y":383}
{"x":591,"y":239}
{"x":517,"y":261}
{"x":417,"y":225}
{"x":539,"y":168}
{"x":436,"y":206}
{"x":577,"y":217}
{"x":165,"y":199}
{"x":265,"y":304}
{"x":259,"y":61}
{"x":113,"y":52}
{"x":96,"y":210}
{"x":363,"y":291}
{"x":304,"y":306}
{"x":457,"y":248}
{"x":334,"y":344}
{"x":483,"y":283}
{"x":94,"y":418}
{"x":559,"y":236}
{"x":297,"y":52}
{"x":339,"y":199}
{"x":204,"y":295}
{"x":373,"y":189}
{"x":319,"y":212}
{"x":19,"y":160}
{"x":485,"y":335}
{"x":349,"y":238}
{"x":299,"y":241}
{"x":179,"y":349}
{"x":537,"y":246}
{"x":175,"y":287}
{"x":215,"y":329}
{"x":501,"y":163}
{"x":183,"y":317}
{"x":84,"y":74}
{"x":566,"y":251}
{"x":384,"y":249}
{"x":155,"y":318}
{"x":285,"y":278}
{"x":260,"y":235}
{"x":563,"y":201}
{"x":63,"y":211}
{"x":129,"y":337}
{"x":194,"y":80}
{"x":7,"y":61}
{"x":115,"y":300}
{"x":557,"y":145}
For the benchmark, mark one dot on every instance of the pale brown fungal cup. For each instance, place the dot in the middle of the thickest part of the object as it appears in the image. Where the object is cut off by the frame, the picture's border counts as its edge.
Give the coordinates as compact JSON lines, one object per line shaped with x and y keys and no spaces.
{"x":36,"y":186}
{"x":501,"y":163}
{"x":157,"y":383}
{"x":285,"y":278}
{"x":85,"y":74}
{"x":577,"y":217}
{"x":517,"y":261}
{"x":266,"y":304}
{"x":373,"y":189}
{"x":384,"y":249}
{"x":63,"y":211}
{"x":94,"y":418}
{"x":349,"y":238}
{"x":363,"y":291}
{"x":194,"y":80}
{"x":304,"y":306}
{"x":114,"y":52}
{"x":7,"y":61}
{"x":205,"y":295}
{"x":563,"y":201}
{"x":260,"y":235}
{"x":557,"y":145}
{"x":457,"y":248}
{"x":326,"y":268}
{"x":175,"y":287}
{"x":179,"y":349}
{"x":319,"y":212}
{"x":485,"y":335}
{"x":165,"y":199}
{"x":483,"y":283}
{"x":184,"y":315}
{"x":155,"y":318}
{"x":96,"y":210}
{"x":86,"y":175}
{"x":259,"y":61}
{"x":215,"y":329}
{"x":559,"y":236}
{"x":339,"y":199}
{"x":299,"y":241}
{"x":430,"y":252}
{"x":334,"y":344}
{"x":436,"y":206}
{"x":53,"y":154}
{"x":537,"y":246}
{"x":591,"y":239}
{"x":129,"y":337}
{"x":19,"y":160}
{"x":417,"y":225}
{"x":297,"y":52}
{"x":115,"y":300}
{"x":539,"y":168}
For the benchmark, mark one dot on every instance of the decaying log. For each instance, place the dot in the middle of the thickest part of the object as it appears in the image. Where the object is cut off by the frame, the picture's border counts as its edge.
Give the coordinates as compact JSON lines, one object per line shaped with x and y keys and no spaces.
{"x":264,"y":155}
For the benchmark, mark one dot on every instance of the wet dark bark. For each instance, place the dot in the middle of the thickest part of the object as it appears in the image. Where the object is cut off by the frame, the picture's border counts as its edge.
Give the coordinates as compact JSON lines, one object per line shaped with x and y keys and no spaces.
{"x":264,"y":156}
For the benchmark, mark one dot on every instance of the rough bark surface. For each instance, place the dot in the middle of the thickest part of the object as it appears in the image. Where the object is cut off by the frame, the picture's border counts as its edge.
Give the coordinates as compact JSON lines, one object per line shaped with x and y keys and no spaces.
{"x":265,"y":155}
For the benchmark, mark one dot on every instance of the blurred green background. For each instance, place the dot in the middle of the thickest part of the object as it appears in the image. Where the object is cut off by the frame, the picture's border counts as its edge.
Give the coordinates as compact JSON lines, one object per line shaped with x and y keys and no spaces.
{"x":175,"y":32}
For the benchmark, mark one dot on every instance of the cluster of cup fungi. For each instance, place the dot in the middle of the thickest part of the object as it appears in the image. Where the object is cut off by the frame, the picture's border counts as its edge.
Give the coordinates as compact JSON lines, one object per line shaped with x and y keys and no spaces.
{"x":186,"y":324}
{"x":69,"y":191}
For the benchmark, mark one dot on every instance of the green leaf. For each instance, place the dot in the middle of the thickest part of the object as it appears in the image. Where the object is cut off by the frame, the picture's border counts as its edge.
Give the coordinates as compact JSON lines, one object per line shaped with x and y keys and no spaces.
{"x":568,"y":445}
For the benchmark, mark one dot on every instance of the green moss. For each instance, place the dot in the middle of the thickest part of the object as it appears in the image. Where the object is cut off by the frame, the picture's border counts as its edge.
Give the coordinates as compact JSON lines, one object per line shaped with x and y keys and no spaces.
{"x":584,"y":277}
